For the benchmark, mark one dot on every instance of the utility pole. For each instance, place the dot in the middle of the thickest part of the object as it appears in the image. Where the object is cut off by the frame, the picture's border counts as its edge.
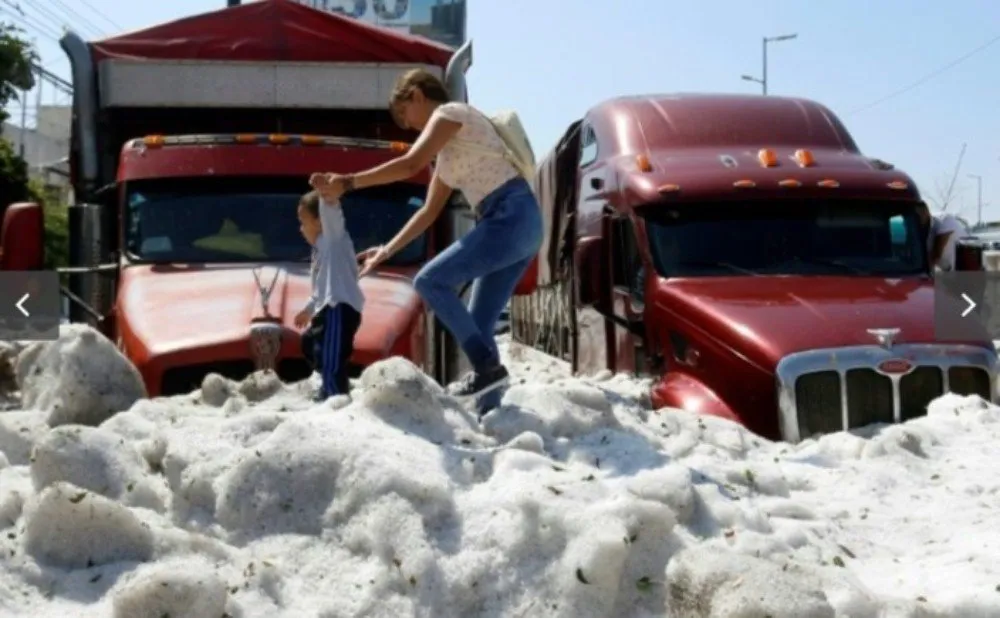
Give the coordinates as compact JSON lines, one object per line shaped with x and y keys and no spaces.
{"x":764,"y":42}
{"x":979,"y":195}
{"x":24,"y":122}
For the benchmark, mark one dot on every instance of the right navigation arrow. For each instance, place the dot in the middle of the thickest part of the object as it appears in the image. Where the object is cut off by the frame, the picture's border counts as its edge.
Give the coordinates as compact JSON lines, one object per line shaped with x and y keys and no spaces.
{"x":971,"y":307}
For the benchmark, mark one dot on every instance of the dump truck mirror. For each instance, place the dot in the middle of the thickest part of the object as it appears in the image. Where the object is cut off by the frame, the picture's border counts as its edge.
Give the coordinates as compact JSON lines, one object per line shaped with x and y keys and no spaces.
{"x":22,"y":237}
{"x":589,"y":270}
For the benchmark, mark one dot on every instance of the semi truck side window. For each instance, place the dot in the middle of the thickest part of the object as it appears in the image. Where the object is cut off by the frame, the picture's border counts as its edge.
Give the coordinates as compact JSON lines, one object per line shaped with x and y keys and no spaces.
{"x":627,"y":263}
{"x":588,"y":147}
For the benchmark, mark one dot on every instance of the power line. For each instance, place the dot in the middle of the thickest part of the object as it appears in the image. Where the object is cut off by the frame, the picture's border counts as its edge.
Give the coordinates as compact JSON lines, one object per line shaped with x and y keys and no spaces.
{"x":927,"y":77}
{"x":60,"y":20}
{"x":102,"y":14}
{"x":18,"y":17}
{"x":79,"y":18}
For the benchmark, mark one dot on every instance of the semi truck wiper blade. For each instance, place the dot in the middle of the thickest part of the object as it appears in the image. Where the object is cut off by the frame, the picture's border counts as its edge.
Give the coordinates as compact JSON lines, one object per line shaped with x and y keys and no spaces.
{"x":830,"y":262}
{"x":719,"y":264}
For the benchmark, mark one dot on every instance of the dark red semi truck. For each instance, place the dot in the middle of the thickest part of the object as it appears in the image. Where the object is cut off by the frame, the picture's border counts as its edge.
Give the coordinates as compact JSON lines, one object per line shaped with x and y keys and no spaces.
{"x":745,"y":254}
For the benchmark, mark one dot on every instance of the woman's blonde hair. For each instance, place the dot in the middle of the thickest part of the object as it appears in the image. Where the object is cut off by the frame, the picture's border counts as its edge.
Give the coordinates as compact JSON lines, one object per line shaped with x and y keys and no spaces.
{"x":426,"y":82}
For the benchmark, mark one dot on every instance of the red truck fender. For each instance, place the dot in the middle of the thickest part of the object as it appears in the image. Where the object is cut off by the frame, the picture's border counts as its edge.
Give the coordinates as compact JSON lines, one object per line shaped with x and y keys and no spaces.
{"x":682,"y":391}
{"x":529,"y":282}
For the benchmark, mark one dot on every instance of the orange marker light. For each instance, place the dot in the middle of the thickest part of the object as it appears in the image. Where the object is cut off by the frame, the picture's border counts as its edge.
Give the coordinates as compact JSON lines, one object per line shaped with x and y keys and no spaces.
{"x":804,"y":158}
{"x":789,"y":183}
{"x":767,"y":158}
{"x":246,"y":138}
{"x":277,"y":138}
{"x":898,"y":185}
{"x":399,"y":146}
{"x":153,"y":141}
{"x":828,"y":184}
{"x":744,"y":184}
{"x":312,"y":140}
{"x":643,"y":162}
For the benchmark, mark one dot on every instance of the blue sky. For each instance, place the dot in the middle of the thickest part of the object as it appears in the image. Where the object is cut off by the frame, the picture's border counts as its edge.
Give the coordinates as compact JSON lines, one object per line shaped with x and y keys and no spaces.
{"x":552,"y":59}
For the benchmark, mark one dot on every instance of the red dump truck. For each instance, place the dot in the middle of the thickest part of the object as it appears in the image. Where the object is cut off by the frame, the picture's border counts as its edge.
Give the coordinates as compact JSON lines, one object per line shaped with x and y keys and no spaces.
{"x":191,"y":144}
{"x":744,"y":253}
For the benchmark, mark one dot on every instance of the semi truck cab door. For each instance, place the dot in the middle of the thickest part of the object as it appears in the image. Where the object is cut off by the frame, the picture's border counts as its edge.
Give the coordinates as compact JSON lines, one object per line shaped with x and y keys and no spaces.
{"x":628,"y":352}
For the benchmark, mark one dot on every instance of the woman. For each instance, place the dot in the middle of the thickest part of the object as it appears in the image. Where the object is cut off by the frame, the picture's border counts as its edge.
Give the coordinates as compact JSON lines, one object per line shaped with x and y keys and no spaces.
{"x":495,"y":254}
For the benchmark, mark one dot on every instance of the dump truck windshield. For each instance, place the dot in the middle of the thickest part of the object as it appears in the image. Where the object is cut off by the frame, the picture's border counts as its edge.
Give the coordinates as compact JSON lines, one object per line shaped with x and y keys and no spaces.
{"x":809,"y":237}
{"x":201,"y":220}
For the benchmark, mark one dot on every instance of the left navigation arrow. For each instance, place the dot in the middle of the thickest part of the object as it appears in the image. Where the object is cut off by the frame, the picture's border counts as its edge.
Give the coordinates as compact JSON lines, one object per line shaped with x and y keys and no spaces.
{"x":20,"y":305}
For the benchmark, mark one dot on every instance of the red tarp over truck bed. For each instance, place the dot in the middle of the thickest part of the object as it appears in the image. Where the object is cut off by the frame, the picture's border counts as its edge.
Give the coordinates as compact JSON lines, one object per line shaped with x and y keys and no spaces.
{"x":272,"y":30}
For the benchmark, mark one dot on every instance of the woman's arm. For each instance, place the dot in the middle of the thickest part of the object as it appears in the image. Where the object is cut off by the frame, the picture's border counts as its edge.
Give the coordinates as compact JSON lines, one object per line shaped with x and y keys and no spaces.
{"x":437,"y":196}
{"x":432,"y":139}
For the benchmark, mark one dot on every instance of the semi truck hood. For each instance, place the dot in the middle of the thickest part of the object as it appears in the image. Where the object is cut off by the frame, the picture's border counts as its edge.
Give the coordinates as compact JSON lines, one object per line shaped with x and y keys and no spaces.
{"x":169,"y":308}
{"x":766,"y":318}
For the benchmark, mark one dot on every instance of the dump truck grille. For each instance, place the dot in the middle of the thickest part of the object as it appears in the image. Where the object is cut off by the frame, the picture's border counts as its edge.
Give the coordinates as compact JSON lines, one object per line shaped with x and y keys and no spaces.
{"x":183,"y":380}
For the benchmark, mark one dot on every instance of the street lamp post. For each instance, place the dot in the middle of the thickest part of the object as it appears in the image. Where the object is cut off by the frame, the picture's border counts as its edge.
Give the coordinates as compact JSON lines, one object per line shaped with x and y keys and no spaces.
{"x":763,"y":79}
{"x":979,"y":195}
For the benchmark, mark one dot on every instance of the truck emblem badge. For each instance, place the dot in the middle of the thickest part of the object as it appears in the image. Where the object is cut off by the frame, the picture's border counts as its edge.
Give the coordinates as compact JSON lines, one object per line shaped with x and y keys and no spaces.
{"x":884,"y":336}
{"x":894,"y":367}
{"x":265,"y":332}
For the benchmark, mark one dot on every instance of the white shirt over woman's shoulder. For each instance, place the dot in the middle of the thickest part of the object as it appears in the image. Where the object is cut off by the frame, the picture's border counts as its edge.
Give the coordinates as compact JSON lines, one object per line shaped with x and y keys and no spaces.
{"x":476,"y":174}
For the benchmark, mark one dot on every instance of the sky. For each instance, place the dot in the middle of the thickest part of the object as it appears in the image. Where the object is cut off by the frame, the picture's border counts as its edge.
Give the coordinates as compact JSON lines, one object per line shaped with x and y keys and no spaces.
{"x":913,"y":80}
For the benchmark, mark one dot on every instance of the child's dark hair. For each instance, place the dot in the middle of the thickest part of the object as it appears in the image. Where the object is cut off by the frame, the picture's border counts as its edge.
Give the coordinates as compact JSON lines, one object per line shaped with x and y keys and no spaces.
{"x":310,"y":202}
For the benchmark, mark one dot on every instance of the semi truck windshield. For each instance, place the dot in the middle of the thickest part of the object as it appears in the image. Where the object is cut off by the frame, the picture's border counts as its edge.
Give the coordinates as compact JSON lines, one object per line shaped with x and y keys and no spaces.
{"x":809,"y":237}
{"x":201,"y":220}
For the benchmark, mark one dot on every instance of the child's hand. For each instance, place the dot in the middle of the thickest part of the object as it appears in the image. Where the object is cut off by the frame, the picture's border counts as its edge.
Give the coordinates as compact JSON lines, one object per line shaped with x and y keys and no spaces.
{"x":330,"y":196}
{"x":302,"y":318}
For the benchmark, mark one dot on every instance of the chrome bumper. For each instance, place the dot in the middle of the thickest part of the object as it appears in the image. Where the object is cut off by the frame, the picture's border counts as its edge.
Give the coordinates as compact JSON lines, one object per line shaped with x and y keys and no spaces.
{"x":842,"y":360}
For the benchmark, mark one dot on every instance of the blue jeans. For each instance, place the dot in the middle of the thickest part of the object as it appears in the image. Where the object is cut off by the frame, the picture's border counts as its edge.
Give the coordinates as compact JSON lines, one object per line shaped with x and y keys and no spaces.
{"x":495,"y":254}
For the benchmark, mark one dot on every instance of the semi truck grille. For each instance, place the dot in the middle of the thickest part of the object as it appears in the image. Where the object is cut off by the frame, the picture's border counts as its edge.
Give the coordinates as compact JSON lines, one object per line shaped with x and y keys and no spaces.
{"x":819,"y":402}
{"x":872,"y":397}
{"x":968,"y":381}
{"x":832,"y":389}
{"x":917,"y":389}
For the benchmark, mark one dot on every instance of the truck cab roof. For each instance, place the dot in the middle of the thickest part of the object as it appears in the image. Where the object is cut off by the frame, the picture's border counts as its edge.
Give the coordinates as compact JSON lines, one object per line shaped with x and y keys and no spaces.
{"x":722,"y":146}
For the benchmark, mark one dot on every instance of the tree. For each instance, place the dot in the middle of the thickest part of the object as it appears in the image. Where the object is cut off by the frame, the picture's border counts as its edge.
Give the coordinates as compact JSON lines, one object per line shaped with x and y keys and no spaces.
{"x":16,"y":75}
{"x":944,"y":188}
{"x":945,"y":194}
{"x":17,"y":57}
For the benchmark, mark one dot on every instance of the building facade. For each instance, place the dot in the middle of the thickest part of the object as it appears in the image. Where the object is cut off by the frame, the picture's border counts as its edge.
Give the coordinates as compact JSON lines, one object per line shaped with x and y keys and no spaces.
{"x":45,"y":146}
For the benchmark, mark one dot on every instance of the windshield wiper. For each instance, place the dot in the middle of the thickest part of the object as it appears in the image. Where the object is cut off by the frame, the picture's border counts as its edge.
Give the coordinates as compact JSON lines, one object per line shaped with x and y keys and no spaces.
{"x":719,"y":264}
{"x":829,"y":262}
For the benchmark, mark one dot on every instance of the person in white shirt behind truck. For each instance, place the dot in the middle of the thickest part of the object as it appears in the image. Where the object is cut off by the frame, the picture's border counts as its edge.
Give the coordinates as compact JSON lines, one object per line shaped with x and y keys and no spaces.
{"x":943,"y":233}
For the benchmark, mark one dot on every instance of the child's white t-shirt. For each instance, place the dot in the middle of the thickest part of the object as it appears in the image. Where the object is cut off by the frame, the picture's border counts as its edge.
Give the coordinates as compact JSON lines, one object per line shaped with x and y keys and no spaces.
{"x":335,"y":274}
{"x":476,"y":174}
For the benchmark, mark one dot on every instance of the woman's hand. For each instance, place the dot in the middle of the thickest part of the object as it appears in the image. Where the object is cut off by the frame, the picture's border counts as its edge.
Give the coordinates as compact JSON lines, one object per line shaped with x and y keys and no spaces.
{"x":369,"y":259}
{"x":330,"y":186}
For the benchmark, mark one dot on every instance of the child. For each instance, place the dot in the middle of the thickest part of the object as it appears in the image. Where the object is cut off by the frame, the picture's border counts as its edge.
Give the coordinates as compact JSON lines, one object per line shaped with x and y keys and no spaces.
{"x":333,"y":312}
